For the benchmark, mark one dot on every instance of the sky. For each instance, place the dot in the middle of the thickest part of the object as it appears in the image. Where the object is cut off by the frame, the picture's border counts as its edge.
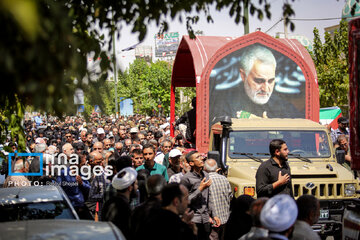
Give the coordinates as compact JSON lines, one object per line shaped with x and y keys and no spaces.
{"x":224,"y":25}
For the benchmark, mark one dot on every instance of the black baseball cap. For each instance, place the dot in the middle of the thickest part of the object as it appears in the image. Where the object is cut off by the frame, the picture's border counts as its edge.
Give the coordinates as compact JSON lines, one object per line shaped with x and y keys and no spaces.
{"x":343,"y":120}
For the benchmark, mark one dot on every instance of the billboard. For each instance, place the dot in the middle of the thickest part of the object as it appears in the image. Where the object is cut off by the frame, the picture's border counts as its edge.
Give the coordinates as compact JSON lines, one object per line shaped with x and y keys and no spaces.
{"x":79,"y":96}
{"x":256,"y":81}
{"x":166,"y":44}
{"x":126,"y":107}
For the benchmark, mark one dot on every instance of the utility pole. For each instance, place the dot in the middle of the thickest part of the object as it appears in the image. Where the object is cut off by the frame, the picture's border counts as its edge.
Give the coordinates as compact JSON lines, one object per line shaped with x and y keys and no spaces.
{"x":114,"y":63}
{"x":246,"y":15}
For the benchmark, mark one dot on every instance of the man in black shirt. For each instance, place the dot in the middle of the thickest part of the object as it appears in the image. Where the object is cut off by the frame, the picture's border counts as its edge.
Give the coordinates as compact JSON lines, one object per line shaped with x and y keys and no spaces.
{"x":142,"y":213}
{"x":117,"y":209}
{"x":273,"y":176}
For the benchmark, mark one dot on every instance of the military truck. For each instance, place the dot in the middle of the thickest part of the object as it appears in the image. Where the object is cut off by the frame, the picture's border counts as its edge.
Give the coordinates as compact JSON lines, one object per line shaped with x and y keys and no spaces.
{"x":241,"y":145}
{"x":215,"y":67}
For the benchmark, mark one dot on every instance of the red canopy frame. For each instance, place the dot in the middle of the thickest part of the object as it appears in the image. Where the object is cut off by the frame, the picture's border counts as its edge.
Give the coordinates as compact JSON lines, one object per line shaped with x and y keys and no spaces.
{"x":196,"y":58}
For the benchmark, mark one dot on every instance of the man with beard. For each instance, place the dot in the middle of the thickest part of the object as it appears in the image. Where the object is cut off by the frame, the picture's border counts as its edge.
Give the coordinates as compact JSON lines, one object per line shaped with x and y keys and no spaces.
{"x":343,"y":123}
{"x":89,"y":142}
{"x":253,"y":96}
{"x":273,"y":175}
{"x":117,"y":208}
{"x":173,"y":220}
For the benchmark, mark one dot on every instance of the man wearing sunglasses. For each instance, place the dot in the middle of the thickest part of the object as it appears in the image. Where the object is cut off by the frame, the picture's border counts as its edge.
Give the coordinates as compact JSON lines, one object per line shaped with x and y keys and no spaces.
{"x":342,"y":129}
{"x":68,"y":137}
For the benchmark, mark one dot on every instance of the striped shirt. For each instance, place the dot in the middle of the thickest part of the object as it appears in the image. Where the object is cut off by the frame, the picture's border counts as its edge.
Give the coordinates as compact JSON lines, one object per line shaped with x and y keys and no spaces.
{"x":220,"y":196}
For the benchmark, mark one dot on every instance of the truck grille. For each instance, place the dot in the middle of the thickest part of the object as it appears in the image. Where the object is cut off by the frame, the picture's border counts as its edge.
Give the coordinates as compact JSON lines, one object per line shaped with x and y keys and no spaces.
{"x":321,"y":191}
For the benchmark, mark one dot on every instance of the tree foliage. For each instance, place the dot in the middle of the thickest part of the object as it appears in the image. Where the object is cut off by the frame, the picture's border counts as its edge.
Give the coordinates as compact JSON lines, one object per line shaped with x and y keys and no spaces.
{"x":148,"y":85}
{"x":45,"y":43}
{"x":331,"y":61}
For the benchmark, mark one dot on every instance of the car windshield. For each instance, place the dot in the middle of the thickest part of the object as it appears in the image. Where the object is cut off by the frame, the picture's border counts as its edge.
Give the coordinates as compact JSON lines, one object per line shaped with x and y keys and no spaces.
{"x":307,"y":144}
{"x":29,"y":211}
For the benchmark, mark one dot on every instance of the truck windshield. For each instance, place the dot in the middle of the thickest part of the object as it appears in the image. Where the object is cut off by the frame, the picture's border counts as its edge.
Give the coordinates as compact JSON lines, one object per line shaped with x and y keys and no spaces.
{"x":308,"y":144}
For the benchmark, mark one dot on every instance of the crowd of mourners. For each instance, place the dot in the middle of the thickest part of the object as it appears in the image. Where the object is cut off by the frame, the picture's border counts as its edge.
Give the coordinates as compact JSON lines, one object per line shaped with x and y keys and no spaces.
{"x":158,"y":187}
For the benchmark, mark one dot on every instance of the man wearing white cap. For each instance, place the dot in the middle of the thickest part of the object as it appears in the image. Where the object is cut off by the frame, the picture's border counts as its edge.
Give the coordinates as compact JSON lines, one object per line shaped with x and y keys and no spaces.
{"x":134,"y":132}
{"x":174,"y":162}
{"x":100,"y":135}
{"x":117,"y":208}
{"x":278,"y":216}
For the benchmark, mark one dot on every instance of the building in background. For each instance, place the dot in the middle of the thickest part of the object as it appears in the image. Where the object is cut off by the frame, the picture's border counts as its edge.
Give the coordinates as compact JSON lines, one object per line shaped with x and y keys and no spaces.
{"x":144,"y":52}
{"x":346,"y":13}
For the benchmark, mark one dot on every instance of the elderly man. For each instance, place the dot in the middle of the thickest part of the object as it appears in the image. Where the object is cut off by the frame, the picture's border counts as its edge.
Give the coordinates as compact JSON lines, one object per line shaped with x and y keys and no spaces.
{"x":342,"y":152}
{"x":100,"y":135}
{"x":98,"y":147}
{"x":97,"y":184}
{"x":68,"y":149}
{"x":107,"y":144}
{"x":83,"y":136}
{"x":185,"y":168}
{"x":220,"y":197}
{"x":252,"y":93}
{"x":160,"y":158}
{"x":174,"y":162}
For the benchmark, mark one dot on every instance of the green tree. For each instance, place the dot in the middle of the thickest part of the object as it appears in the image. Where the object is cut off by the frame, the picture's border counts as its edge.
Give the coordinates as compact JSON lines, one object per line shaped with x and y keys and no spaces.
{"x":147,"y":84}
{"x":101,"y":94}
{"x":45,"y":44}
{"x":331,"y":61}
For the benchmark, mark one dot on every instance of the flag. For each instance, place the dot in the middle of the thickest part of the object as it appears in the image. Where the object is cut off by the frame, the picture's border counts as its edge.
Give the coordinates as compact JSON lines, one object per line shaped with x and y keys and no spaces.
{"x":330,"y":116}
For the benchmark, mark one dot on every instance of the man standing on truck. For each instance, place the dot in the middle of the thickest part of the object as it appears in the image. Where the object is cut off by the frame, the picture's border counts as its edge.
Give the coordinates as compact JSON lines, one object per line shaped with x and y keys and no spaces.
{"x":189,"y":119}
{"x":341,"y":130}
{"x":273,"y":175}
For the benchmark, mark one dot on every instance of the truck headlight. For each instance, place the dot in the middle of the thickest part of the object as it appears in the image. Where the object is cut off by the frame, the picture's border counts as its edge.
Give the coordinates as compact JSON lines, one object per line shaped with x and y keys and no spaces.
{"x":350,"y":189}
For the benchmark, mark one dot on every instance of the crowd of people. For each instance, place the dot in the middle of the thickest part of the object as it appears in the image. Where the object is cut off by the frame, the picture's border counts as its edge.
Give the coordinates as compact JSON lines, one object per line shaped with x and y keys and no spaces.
{"x":156,"y":181}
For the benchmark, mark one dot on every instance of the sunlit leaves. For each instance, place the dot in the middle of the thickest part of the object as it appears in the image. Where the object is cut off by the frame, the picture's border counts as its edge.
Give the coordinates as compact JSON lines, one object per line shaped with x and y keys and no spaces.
{"x":25,"y":13}
{"x":147,"y":85}
{"x":331,"y":61}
